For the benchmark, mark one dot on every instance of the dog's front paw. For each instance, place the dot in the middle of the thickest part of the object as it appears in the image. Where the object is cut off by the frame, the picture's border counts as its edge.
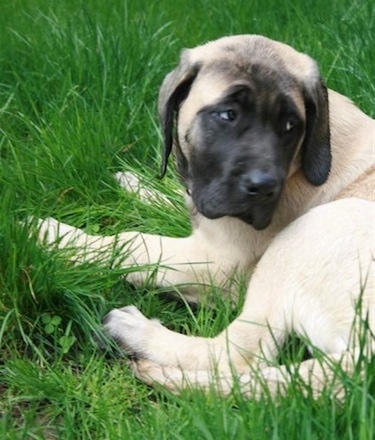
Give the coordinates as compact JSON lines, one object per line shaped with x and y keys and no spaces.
{"x":52,"y":231}
{"x":133,"y":331}
{"x":176,"y":379}
{"x":128,"y":181}
{"x":131,"y":183}
{"x":153,"y":373}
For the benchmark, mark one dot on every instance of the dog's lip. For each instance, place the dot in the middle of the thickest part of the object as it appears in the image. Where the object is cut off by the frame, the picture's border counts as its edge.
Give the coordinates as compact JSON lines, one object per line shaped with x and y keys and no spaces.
{"x":247,"y":218}
{"x":253,"y":220}
{"x":258,"y":215}
{"x":258,"y":222}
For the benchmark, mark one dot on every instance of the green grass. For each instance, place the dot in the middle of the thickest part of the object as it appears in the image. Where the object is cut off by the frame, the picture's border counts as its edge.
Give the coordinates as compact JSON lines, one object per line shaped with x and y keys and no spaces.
{"x":78,"y":89}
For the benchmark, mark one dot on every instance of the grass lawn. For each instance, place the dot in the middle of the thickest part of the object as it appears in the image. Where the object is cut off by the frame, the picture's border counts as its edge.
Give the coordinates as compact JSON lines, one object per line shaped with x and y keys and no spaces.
{"x":78,"y":89}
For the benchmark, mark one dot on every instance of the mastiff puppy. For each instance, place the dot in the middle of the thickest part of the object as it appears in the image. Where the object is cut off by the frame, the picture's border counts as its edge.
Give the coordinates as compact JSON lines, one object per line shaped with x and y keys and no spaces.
{"x":279,"y":176}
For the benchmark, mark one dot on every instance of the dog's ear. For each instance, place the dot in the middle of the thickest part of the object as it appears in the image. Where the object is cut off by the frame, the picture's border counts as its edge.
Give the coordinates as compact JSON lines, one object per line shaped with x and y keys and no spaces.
{"x":173,"y":91}
{"x":316,"y":148}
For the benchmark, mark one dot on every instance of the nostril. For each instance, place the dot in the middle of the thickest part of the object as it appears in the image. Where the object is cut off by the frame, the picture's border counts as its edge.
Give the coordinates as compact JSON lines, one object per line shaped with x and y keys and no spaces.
{"x":253,"y":190}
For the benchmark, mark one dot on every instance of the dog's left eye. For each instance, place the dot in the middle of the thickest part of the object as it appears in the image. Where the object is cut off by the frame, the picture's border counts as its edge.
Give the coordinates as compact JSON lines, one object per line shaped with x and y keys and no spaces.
{"x":289,"y":126}
{"x":227,"y":115}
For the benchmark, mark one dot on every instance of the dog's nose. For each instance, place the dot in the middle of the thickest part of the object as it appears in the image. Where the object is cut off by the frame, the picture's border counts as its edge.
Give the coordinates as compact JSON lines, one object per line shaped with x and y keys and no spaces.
{"x":259,"y":185}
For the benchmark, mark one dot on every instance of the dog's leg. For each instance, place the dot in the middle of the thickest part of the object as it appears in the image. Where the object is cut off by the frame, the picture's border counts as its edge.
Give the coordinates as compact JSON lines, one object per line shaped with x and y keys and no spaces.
{"x":311,"y":287}
{"x":253,"y":337}
{"x":184,"y":262}
{"x":311,"y":377}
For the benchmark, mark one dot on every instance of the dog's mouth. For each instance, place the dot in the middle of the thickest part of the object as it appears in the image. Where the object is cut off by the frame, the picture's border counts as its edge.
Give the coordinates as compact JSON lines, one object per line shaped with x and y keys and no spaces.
{"x":259,"y":216}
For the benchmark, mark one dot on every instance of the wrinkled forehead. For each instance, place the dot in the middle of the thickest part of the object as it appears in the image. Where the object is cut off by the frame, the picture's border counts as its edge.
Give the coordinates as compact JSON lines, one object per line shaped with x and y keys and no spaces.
{"x":255,"y":49}
{"x":266,"y":82}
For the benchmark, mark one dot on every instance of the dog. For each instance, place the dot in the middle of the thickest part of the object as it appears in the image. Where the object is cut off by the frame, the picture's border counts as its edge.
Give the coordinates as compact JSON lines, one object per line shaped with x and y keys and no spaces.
{"x":279,"y":179}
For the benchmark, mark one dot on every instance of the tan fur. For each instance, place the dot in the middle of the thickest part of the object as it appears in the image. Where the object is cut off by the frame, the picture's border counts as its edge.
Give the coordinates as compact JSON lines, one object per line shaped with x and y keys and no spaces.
{"x":316,"y":257}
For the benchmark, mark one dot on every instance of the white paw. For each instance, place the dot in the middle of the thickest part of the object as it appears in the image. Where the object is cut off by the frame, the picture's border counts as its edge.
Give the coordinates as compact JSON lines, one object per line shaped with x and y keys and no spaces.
{"x":152,"y":373}
{"x":51,"y":231}
{"x":176,"y":379}
{"x":132,"y":330}
{"x":129,"y":181}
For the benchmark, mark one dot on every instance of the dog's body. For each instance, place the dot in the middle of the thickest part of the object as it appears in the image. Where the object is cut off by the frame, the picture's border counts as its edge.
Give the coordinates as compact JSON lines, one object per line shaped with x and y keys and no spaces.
{"x":266,"y":155}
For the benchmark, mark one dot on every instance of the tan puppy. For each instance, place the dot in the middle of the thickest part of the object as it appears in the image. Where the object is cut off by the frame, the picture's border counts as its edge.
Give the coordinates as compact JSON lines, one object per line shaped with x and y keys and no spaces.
{"x":265,"y":152}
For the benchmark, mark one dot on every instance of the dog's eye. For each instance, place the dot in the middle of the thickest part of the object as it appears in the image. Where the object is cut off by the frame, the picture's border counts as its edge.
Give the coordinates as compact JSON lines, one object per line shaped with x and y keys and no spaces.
{"x":227,"y":115}
{"x":289,"y":126}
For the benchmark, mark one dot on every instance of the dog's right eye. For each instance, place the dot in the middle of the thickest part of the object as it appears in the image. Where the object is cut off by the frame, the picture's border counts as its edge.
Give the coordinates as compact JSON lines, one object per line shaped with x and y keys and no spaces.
{"x":227,"y":115}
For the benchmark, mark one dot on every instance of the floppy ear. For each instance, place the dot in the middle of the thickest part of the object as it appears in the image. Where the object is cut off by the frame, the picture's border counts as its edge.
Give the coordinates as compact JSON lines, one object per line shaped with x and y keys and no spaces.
{"x":316,"y":148}
{"x":173,"y":91}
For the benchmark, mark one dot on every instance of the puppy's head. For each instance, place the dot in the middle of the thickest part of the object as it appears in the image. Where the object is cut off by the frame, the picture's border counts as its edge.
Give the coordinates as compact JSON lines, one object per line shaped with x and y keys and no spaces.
{"x":241,"y":114}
